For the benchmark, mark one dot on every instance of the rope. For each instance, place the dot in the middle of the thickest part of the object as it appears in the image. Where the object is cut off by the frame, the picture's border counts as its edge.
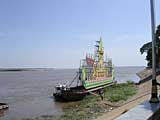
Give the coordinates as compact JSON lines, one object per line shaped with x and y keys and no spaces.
{"x":74,"y":79}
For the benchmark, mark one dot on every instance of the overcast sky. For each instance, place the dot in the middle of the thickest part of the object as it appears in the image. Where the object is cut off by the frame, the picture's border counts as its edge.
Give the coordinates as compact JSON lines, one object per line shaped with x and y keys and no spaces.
{"x":58,"y":33}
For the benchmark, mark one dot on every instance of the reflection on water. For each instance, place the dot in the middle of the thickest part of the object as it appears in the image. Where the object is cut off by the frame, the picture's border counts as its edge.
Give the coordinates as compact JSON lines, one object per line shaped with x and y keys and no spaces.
{"x":28,"y":93}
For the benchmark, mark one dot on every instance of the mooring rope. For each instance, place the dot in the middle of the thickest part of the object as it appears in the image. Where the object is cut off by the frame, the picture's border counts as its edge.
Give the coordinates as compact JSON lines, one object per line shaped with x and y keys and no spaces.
{"x":74,"y":79}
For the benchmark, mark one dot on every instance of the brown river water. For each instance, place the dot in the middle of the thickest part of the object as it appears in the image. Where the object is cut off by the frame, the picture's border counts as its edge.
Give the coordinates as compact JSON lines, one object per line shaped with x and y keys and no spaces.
{"x":29,"y":93}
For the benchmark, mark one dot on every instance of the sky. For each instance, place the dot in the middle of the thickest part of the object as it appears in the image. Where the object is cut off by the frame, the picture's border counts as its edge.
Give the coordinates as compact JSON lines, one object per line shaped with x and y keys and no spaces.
{"x":58,"y":33}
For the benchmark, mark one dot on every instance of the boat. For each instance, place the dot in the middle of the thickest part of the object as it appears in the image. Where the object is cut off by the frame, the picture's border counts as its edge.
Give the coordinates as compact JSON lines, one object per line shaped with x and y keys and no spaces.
{"x":3,"y":106}
{"x":94,"y":75}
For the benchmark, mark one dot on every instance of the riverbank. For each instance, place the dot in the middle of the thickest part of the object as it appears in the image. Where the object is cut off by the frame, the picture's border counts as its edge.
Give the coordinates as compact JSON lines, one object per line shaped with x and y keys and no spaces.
{"x":143,"y":94}
{"x":92,"y":106}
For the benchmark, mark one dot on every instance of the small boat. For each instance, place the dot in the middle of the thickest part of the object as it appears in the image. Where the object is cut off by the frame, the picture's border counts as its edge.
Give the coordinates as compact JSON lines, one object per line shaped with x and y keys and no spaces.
{"x":63,"y":93}
{"x":3,"y":106}
{"x":94,"y":74}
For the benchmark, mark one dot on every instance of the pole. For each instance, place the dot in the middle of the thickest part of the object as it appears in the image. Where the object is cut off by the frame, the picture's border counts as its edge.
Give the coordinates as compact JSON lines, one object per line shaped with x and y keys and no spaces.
{"x":154,"y":98}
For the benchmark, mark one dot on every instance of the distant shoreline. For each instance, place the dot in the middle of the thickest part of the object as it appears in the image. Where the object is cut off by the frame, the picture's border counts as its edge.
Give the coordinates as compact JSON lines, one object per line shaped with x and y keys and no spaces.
{"x":45,"y":69}
{"x":24,"y":69}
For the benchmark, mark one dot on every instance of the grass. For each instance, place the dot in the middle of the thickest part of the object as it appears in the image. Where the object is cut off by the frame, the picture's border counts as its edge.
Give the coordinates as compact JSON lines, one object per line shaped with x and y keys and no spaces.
{"x":120,"y":92}
{"x":82,"y":110}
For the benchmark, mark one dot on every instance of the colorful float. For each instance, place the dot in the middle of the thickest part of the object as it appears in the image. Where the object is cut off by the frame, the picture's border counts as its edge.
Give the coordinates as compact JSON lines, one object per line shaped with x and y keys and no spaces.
{"x":94,"y":74}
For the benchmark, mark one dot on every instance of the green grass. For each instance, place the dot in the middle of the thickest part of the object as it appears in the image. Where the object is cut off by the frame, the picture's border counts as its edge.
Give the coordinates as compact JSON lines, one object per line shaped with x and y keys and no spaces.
{"x":120,"y":92}
{"x":82,"y":110}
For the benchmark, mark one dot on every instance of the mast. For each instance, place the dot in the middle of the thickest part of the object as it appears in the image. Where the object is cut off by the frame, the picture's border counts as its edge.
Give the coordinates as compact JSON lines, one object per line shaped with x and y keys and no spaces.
{"x":154,"y":98}
{"x":101,"y":52}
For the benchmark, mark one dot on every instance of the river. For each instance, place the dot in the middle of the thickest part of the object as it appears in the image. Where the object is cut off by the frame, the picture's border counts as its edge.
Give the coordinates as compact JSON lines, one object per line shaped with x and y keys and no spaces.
{"x":29,"y":93}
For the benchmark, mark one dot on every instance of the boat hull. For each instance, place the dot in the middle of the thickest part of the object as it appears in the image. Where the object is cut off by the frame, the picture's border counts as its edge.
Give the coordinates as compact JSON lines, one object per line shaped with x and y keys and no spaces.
{"x":68,"y":97}
{"x":77,"y":93}
{"x":73,"y":94}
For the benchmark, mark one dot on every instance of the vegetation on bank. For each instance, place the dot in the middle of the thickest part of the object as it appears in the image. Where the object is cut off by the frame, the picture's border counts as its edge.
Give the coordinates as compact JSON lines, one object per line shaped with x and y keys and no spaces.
{"x":120,"y":92}
{"x":92,"y":106}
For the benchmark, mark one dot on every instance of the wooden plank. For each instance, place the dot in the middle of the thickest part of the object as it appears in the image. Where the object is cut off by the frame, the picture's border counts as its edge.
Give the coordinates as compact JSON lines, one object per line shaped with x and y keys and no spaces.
{"x":97,"y":88}
{"x":92,"y":93}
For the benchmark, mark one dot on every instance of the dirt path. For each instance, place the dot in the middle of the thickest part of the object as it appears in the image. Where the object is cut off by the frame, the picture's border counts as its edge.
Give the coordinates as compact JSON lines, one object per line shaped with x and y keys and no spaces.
{"x":142,"y":95}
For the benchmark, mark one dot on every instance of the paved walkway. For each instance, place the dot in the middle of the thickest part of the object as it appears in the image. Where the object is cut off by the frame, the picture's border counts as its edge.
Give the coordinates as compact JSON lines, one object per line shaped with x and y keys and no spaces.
{"x":140,"y":112}
{"x":138,"y":108}
{"x":142,"y":95}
